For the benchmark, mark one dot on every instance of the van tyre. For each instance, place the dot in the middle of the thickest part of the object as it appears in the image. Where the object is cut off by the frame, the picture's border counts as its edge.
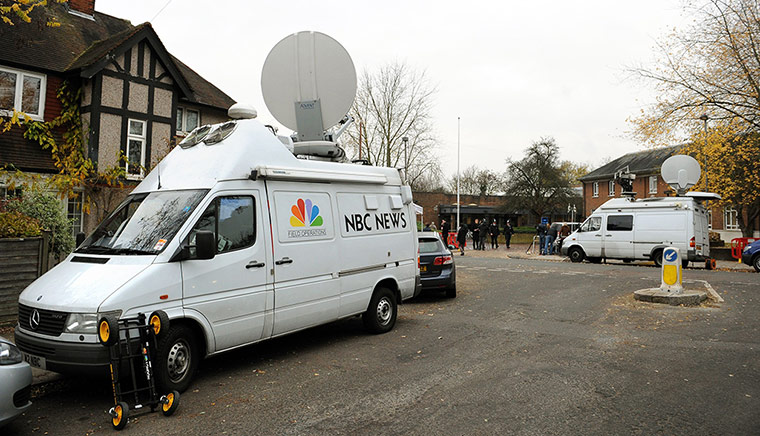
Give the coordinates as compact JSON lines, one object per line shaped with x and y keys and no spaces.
{"x":177,"y":357}
{"x":576,"y":254}
{"x":380,"y":316}
{"x":657,"y":258}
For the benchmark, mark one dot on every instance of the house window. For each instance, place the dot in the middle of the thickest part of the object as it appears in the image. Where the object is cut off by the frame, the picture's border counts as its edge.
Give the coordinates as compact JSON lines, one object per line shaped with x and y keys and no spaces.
{"x":595,"y":189}
{"x":136,"y":149}
{"x":730,"y":218}
{"x":187,"y":120}
{"x":6,"y":192}
{"x":612,"y":188}
{"x":653,"y":184}
{"x":22,"y":91}
{"x":74,"y":213}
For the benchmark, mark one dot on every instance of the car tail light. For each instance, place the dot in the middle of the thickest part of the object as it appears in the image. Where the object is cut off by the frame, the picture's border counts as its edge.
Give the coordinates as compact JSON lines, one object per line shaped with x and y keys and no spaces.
{"x":443,"y":260}
{"x":692,"y":243}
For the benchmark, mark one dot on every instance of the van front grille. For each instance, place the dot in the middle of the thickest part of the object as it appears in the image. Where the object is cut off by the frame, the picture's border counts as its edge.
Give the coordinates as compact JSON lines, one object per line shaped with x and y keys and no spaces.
{"x":51,"y":322}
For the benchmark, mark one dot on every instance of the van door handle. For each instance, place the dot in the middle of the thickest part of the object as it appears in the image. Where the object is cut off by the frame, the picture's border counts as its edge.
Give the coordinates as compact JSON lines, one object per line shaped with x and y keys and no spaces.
{"x":598,"y":235}
{"x":254,"y":264}
{"x":283,"y":261}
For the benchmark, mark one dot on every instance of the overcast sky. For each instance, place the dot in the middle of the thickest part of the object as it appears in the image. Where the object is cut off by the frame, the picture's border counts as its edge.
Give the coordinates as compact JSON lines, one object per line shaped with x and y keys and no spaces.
{"x":513,"y":71}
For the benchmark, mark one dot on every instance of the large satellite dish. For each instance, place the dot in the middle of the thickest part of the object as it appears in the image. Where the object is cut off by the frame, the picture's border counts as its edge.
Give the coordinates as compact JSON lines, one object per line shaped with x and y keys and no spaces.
{"x":309,"y":83}
{"x":681,"y":172}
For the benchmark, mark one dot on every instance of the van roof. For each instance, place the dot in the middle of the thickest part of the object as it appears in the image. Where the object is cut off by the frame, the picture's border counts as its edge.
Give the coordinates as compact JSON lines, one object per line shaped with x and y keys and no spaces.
{"x":647,"y":203}
{"x":252,"y":147}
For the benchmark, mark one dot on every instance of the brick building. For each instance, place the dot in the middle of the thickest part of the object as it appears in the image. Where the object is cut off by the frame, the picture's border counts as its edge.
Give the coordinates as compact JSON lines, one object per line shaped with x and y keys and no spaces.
{"x":599,"y":186}
{"x":135,"y":96}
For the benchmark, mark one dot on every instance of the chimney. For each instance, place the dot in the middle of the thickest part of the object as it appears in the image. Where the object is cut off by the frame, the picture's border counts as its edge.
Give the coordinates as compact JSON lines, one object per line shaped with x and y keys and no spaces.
{"x":86,"y":7}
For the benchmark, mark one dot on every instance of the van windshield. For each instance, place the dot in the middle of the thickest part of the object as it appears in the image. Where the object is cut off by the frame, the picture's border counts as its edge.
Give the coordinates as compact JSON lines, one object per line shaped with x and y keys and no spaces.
{"x":143,"y":223}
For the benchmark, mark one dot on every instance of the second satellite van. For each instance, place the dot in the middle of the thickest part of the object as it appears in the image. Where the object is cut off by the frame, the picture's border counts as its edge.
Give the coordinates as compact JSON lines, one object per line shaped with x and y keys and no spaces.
{"x":631,"y":229}
{"x":239,"y":236}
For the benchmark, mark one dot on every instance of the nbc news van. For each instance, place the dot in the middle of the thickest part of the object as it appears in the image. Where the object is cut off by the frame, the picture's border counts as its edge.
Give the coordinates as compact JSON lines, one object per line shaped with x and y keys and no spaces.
{"x":238,"y":241}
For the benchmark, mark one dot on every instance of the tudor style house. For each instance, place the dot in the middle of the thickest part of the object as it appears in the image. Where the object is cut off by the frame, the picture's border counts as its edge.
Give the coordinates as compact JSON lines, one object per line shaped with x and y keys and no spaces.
{"x":135,"y":96}
{"x":599,"y":186}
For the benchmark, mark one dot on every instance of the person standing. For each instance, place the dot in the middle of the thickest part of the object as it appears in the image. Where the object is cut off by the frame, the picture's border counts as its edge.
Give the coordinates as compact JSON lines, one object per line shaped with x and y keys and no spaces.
{"x":508,"y":232}
{"x":493,"y":230}
{"x":551,"y":235}
{"x":462,"y":237}
{"x":541,"y":232}
{"x":445,"y":229}
{"x":483,"y":233}
{"x":476,"y":235}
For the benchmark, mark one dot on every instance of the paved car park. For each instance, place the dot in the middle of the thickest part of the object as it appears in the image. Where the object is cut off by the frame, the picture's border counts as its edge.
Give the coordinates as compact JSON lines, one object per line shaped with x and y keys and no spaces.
{"x":527,"y":347}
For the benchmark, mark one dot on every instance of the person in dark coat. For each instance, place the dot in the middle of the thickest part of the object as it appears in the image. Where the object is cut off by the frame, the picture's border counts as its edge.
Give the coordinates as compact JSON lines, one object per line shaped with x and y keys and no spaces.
{"x":483,"y":233}
{"x":476,"y":235}
{"x":551,"y":235}
{"x":541,"y":232}
{"x":493,"y":230}
{"x":462,"y":237}
{"x":445,"y":229}
{"x":508,"y":232}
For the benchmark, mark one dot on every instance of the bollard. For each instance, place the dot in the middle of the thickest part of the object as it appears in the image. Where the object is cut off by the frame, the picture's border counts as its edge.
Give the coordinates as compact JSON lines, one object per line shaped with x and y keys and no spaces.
{"x":672,"y":274}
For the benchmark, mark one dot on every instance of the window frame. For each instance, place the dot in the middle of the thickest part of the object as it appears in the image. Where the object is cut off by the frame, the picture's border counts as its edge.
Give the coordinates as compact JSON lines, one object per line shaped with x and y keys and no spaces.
{"x":611,"y":192}
{"x":615,"y":229}
{"x":216,"y":202}
{"x":595,"y":189}
{"x":77,"y":198}
{"x":730,"y":211}
{"x":144,"y":140}
{"x":652,"y":179}
{"x":183,"y":131}
{"x":19,"y":93}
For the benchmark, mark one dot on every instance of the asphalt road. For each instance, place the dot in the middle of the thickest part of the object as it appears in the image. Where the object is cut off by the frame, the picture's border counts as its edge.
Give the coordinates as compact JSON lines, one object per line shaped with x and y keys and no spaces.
{"x":527,"y":347}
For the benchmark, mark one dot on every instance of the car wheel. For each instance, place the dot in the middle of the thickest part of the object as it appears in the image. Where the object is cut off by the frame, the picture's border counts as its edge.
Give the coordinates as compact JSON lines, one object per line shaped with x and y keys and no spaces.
{"x":177,"y":359}
{"x":756,"y":262}
{"x":657,"y":258}
{"x":576,"y":254}
{"x":451,"y":291}
{"x":380,"y":316}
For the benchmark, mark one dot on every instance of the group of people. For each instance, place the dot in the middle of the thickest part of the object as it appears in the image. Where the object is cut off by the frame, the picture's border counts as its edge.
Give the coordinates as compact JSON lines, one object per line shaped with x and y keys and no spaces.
{"x":481,"y":231}
{"x":547,"y":235}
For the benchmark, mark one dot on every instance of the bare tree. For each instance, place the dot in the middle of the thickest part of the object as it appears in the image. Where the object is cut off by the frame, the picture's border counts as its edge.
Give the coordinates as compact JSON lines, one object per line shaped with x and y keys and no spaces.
{"x":476,"y":181}
{"x":392,"y":104}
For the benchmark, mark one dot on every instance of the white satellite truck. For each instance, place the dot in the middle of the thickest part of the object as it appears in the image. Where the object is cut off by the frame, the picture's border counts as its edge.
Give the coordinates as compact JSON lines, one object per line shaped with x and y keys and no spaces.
{"x":639,"y":229}
{"x":239,"y":235}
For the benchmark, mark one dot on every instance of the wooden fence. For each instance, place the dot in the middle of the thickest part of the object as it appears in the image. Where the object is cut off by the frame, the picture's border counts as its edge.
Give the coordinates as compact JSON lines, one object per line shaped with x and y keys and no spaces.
{"x":21,"y":262}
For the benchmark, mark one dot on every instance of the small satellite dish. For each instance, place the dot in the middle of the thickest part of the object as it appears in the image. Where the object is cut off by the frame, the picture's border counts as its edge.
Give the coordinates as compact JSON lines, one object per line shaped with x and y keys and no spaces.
{"x":681,"y":172}
{"x":309,"y":83}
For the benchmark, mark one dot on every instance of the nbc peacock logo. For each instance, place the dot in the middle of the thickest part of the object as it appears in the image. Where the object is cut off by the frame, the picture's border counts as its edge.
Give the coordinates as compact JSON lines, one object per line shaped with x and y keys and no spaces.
{"x":305,"y":214}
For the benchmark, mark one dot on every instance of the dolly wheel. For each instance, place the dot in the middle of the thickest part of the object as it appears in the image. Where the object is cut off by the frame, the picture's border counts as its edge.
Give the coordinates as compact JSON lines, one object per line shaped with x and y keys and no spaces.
{"x":169,"y":403}
{"x":108,"y":330}
{"x":119,"y":415}
{"x":159,"y":320}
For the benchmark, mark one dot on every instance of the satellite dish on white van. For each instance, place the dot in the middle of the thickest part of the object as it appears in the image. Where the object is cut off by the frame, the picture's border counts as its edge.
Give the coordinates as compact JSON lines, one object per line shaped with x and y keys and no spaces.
{"x":681,"y":172}
{"x":309,"y":83}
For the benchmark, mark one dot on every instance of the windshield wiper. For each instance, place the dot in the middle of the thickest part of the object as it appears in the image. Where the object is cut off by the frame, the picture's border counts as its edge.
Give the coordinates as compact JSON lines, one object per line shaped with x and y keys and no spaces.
{"x":94,"y":249}
{"x":131,"y":251}
{"x":99,"y":249}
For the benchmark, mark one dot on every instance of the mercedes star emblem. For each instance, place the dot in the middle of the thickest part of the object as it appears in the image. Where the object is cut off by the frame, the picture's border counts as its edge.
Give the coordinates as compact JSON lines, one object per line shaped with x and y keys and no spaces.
{"x":34,"y":319}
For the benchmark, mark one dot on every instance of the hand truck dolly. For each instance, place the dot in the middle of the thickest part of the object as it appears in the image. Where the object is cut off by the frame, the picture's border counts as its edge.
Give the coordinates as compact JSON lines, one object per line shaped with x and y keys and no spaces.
{"x":131,"y":343}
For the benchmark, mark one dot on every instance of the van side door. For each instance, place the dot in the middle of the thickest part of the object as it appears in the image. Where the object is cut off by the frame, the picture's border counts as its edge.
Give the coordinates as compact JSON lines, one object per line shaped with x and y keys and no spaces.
{"x":618,"y":236}
{"x":231,"y":289}
{"x":306,"y":284}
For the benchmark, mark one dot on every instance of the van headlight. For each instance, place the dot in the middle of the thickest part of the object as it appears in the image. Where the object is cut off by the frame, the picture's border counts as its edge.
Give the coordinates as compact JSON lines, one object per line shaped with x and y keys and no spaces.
{"x":9,"y":354}
{"x":87,"y":322}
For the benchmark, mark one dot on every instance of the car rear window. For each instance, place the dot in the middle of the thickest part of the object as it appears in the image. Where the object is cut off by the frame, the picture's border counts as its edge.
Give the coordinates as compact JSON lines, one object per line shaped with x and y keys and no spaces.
{"x":430,"y":246}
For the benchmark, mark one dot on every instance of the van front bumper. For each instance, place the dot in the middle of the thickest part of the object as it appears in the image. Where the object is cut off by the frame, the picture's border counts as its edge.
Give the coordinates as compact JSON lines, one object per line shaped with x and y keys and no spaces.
{"x":65,"y":357}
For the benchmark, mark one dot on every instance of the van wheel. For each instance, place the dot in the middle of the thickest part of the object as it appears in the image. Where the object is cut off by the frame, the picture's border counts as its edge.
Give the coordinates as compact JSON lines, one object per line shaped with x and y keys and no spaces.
{"x":176,"y":358}
{"x":380,"y":316}
{"x":657,"y":258}
{"x":576,"y":254}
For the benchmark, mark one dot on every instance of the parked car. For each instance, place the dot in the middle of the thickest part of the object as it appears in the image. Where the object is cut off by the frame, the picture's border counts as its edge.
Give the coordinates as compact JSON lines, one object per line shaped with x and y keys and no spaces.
{"x":15,"y":382}
{"x":751,"y":255}
{"x":437,"y":270}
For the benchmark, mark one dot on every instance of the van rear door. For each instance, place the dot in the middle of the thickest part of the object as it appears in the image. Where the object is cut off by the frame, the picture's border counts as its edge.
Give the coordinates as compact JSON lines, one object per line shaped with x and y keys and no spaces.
{"x":307,"y":291}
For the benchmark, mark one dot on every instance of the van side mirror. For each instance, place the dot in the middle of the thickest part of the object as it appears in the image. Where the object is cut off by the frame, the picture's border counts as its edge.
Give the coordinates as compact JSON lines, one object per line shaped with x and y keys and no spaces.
{"x":205,"y":244}
{"x":79,"y":239}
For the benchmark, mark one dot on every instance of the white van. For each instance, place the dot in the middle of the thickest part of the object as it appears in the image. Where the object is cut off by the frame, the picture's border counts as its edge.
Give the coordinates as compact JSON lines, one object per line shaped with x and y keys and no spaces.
{"x":628,"y":229}
{"x":238,"y":241}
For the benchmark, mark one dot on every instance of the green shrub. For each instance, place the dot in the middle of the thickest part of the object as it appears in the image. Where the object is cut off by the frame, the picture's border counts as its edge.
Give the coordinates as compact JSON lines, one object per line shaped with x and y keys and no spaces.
{"x":46,"y":208}
{"x":525,"y":229}
{"x":18,"y":225}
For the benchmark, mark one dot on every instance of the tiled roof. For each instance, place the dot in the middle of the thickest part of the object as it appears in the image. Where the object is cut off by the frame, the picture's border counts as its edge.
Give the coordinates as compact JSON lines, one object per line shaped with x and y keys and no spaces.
{"x":640,"y":162}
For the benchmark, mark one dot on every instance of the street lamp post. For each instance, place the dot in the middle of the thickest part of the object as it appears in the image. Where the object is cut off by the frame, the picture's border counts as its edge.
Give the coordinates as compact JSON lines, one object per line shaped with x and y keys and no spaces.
{"x":458,"y":136}
{"x":704,"y":118}
{"x":405,"y":139}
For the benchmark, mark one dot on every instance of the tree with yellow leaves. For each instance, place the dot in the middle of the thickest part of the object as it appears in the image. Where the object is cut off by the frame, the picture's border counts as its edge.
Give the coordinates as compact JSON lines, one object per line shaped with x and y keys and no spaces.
{"x":12,"y":11}
{"x":712,"y":69}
